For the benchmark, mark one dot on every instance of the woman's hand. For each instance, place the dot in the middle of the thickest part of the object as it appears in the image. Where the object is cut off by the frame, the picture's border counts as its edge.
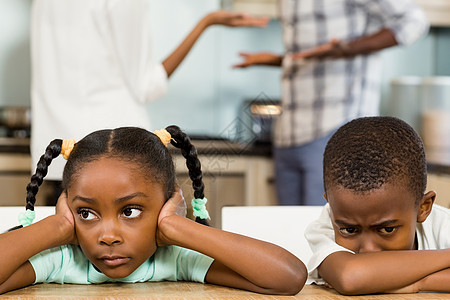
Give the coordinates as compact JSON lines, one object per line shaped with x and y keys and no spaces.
{"x":174,"y":206}
{"x":262,"y":58}
{"x":231,"y":19}
{"x":62,"y":208}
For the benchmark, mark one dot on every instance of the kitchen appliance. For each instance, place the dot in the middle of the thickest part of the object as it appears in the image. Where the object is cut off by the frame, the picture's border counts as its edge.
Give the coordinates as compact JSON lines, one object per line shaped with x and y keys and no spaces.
{"x":406,"y":100}
{"x":15,"y":159}
{"x":15,"y":121}
{"x":256,"y":121}
{"x":436,"y":118}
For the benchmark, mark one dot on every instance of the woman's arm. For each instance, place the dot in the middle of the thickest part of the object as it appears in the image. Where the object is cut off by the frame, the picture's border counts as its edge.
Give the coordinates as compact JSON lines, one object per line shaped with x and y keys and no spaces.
{"x":376,"y":272}
{"x":215,"y":18}
{"x":259,"y":59}
{"x":239,"y":261}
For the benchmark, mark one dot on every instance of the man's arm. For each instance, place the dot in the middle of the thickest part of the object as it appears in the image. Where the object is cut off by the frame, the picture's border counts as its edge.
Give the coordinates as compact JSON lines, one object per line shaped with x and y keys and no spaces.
{"x":338,"y":49}
{"x":376,"y":272}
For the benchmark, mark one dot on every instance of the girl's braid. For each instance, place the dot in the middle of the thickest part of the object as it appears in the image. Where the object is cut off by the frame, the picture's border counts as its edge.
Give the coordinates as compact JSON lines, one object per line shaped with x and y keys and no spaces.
{"x":52,"y":151}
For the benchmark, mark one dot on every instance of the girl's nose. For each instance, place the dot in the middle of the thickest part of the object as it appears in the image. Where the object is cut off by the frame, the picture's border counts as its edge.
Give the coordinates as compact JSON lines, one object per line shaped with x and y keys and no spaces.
{"x":110,"y":234}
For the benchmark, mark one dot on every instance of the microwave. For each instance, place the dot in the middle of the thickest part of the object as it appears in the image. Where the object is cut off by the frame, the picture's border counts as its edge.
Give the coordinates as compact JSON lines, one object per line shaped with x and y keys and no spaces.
{"x":256,"y":119}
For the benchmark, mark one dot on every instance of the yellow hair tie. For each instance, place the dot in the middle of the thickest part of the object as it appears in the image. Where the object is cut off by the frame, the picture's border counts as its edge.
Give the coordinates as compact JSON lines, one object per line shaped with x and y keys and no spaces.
{"x":66,"y":148}
{"x":163,"y":135}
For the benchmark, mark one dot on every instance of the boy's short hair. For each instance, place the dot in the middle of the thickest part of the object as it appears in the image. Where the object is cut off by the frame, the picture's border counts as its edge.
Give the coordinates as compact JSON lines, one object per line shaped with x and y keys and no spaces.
{"x":367,"y":153}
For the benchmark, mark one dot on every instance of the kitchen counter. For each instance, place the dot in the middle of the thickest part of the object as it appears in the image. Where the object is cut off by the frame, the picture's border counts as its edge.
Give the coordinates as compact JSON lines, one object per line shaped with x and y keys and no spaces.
{"x":227,"y":147}
{"x":184,"y":290}
{"x":205,"y":146}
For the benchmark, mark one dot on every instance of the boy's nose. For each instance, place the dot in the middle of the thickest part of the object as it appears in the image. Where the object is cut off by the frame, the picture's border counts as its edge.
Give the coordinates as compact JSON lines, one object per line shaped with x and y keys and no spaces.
{"x":110,"y":234}
{"x":368,"y":245}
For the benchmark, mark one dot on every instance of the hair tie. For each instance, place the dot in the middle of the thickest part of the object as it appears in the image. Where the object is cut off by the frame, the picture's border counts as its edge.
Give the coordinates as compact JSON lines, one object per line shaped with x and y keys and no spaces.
{"x":26,"y":218}
{"x":163,"y":135}
{"x":66,"y":148}
{"x":199,"y":207}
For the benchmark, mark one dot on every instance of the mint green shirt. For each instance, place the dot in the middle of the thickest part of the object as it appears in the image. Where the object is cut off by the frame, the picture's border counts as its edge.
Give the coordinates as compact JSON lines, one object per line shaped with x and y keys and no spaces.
{"x":67,"y":264}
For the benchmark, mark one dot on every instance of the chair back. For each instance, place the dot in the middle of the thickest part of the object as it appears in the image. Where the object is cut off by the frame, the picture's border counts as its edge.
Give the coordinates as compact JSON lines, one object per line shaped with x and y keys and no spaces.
{"x":9,"y":215}
{"x":281,"y":225}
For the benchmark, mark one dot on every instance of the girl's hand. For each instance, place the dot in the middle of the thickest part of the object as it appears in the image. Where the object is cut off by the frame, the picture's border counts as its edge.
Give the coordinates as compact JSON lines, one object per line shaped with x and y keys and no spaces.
{"x":62,"y":208}
{"x":231,"y":19}
{"x":174,"y":206}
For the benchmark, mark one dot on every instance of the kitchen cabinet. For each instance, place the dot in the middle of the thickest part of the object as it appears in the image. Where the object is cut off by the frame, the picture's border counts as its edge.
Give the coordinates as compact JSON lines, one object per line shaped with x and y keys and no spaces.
{"x":441,"y":184}
{"x":230,"y":180}
{"x":15,"y":174}
{"x":260,"y":8}
{"x":437,"y":11}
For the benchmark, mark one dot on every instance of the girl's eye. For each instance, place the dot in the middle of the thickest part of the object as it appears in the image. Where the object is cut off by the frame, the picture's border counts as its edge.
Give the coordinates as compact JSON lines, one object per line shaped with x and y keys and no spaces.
{"x":131,"y":212}
{"x":86,"y":214}
{"x":348,"y":231}
{"x":387,"y":230}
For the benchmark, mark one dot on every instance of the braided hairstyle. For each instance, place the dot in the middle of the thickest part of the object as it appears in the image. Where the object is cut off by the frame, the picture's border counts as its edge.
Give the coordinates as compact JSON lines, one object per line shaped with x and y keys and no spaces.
{"x":367,"y":153}
{"x":130,"y":144}
{"x":183,"y":142}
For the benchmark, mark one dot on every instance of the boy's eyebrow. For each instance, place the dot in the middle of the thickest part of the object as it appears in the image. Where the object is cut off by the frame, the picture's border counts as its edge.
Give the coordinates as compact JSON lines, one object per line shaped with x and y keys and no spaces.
{"x":381,"y":224}
{"x":343,"y":223}
{"x":385,"y":223}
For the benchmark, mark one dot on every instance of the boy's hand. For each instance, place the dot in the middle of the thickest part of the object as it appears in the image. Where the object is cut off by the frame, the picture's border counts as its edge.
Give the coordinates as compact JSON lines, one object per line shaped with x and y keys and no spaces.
{"x":409,"y":289}
{"x":174,"y":206}
{"x":231,"y":19}
{"x":62,"y":208}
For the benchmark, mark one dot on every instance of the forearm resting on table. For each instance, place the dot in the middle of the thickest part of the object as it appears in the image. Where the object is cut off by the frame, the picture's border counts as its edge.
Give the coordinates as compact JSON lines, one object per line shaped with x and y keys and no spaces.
{"x":240,"y":261}
{"x":375,"y":272}
{"x":436,"y":282}
{"x":17,"y":246}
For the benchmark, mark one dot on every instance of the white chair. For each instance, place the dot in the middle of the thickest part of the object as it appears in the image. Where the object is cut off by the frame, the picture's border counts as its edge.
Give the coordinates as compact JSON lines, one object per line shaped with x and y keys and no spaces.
{"x":9,"y":215}
{"x":280,"y":225}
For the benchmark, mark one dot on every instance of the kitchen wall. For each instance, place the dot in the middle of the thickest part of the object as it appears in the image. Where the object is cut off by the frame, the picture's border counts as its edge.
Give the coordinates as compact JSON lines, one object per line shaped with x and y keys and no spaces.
{"x":14,"y":52}
{"x":205,"y":93}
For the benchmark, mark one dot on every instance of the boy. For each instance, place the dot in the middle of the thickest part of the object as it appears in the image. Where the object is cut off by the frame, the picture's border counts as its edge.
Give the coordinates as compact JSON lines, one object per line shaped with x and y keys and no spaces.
{"x":375,"y":178}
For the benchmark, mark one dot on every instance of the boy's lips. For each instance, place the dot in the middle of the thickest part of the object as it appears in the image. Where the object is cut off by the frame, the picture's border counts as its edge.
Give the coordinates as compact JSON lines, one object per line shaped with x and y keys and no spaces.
{"x":114,"y":261}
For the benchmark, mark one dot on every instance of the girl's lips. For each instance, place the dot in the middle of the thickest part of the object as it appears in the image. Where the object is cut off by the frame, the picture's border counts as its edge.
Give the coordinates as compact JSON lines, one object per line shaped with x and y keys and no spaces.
{"x":114,"y":261}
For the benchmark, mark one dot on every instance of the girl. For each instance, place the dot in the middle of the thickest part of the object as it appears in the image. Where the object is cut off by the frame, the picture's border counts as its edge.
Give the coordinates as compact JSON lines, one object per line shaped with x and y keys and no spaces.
{"x":121,"y":218}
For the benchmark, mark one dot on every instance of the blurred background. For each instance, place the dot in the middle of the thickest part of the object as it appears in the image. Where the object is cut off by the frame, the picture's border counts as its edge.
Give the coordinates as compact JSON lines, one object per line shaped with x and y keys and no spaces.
{"x":213,"y":103}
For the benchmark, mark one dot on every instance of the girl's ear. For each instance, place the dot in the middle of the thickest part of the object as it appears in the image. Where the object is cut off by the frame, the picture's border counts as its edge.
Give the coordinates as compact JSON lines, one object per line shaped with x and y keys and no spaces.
{"x":425,"y":206}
